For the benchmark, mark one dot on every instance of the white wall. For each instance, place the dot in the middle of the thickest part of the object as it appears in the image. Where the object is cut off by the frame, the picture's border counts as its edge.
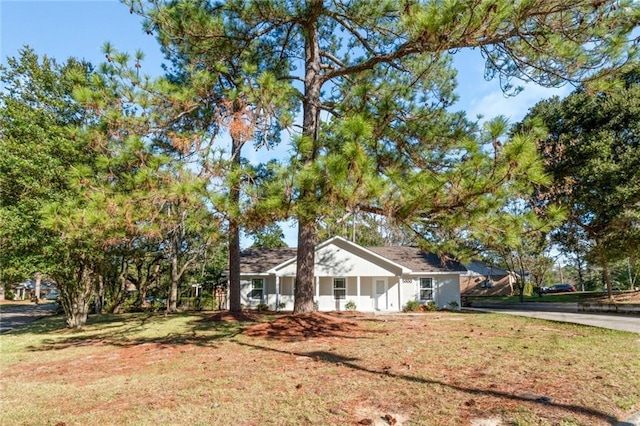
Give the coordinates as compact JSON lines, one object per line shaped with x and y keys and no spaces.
{"x":446,"y":289}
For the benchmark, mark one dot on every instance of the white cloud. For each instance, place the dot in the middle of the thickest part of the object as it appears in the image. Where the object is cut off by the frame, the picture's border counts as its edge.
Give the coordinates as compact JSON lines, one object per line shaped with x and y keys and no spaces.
{"x":514,"y":108}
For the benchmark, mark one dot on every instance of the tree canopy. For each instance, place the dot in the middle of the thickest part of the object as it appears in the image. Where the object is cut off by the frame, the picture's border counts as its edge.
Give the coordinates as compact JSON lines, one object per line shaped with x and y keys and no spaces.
{"x":592,"y":151}
{"x":374,"y":80}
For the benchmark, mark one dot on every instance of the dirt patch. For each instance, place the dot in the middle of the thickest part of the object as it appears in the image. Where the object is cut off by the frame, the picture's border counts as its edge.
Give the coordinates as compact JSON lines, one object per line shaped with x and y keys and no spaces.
{"x":323,"y":368}
{"x":305,"y":326}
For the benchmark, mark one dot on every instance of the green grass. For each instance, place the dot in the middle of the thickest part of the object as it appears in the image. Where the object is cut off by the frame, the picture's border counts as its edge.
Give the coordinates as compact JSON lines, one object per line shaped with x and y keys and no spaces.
{"x":429,"y":369}
{"x":576,"y":297}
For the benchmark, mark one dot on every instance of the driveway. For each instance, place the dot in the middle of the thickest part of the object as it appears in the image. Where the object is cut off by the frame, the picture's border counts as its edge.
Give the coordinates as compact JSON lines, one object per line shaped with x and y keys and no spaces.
{"x":12,"y":316}
{"x":614,"y":322}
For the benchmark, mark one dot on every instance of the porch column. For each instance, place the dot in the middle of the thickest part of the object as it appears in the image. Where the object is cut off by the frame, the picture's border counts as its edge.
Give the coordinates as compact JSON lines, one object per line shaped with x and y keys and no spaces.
{"x":317,"y":291}
{"x":399,"y":293}
{"x":265,"y":290}
{"x":277,"y":293}
{"x":357,"y":290}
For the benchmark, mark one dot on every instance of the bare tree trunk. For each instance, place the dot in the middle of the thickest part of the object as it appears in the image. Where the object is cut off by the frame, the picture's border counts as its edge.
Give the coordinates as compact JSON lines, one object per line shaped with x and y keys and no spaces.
{"x":234,"y":266}
{"x":305,"y":274}
{"x":172,"y":303}
{"x":606,"y":277}
{"x":38,"y":286}
{"x":99,"y":300}
{"x":235,"y":304}
{"x":75,"y":299}
{"x":305,"y":277}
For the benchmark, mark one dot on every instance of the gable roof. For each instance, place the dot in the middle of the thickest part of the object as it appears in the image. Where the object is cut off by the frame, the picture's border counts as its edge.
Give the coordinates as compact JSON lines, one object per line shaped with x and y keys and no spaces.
{"x":417,"y":259}
{"x":260,"y":260}
{"x":407,"y":259}
{"x":354,"y":248}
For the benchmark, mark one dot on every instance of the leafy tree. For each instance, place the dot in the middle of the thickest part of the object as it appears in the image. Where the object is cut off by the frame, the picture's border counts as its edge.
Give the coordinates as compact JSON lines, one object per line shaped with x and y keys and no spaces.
{"x":144,"y":159}
{"x":40,"y":147}
{"x":270,"y":236}
{"x":592,"y":150}
{"x":351,"y":57}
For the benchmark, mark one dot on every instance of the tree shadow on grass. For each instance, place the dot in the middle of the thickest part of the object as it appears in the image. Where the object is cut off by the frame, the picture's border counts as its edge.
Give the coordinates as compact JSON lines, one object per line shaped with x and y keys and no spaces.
{"x":300,"y":327}
{"x":206,"y":330}
{"x":123,"y":330}
{"x":334,"y":358}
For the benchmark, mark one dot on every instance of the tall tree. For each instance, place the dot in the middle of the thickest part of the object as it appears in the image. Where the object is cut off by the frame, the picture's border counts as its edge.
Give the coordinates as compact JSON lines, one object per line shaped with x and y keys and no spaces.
{"x":592,"y":150}
{"x":330,"y":45}
{"x":247,"y":97}
{"x":40,"y":146}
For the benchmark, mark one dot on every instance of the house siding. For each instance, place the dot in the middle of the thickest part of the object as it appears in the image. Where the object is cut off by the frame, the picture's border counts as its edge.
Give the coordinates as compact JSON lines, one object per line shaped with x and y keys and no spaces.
{"x":339,"y":258}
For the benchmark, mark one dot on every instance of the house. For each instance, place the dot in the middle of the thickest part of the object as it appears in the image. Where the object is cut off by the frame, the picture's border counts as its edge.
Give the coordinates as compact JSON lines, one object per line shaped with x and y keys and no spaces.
{"x":373,"y":278}
{"x":484,"y":279}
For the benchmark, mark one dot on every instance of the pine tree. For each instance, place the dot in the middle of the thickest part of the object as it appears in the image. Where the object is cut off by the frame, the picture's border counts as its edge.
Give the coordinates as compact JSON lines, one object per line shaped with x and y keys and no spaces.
{"x":330,"y":46}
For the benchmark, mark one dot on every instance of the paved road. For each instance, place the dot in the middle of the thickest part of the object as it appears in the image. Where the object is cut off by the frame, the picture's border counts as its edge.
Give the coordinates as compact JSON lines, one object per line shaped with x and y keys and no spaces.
{"x":12,"y":316}
{"x":614,"y":322}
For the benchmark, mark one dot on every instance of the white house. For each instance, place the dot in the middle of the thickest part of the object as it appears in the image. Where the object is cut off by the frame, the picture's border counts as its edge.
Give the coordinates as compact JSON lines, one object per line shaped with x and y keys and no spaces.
{"x":374,"y":278}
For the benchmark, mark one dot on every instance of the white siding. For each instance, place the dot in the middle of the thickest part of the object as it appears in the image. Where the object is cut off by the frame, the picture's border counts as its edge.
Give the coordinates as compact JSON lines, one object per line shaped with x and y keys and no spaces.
{"x":447,"y":290}
{"x":335,"y":261}
{"x":409,"y":291}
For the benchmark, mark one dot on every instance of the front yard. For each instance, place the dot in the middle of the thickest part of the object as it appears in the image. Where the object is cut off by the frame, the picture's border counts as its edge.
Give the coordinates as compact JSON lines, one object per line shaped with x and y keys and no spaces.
{"x":324,"y":369}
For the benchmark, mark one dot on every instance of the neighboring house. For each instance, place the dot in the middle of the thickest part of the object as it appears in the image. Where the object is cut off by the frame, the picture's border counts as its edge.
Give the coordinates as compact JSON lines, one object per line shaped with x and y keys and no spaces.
{"x":484,"y":279}
{"x":374,"y":278}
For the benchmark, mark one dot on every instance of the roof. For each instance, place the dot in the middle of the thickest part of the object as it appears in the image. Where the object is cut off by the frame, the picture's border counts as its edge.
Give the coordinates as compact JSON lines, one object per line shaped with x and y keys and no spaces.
{"x":484,"y":268}
{"x":260,"y":260}
{"x":417,"y":259}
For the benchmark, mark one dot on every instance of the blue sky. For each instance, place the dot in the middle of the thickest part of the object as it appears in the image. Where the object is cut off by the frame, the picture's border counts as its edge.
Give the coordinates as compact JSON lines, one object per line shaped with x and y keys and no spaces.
{"x":79,"y":28}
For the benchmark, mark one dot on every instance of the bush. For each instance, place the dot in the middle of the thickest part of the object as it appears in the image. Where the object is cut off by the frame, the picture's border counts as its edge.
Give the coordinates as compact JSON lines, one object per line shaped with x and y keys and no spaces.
{"x":411,"y":306}
{"x":9,"y":295}
{"x":350,"y":305}
{"x":262,"y":307}
{"x":431,"y":306}
{"x":453,"y":305}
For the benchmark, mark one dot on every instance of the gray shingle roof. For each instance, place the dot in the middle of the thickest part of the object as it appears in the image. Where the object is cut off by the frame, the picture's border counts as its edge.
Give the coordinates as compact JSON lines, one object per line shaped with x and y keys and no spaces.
{"x":254,"y":261}
{"x":417,"y":259}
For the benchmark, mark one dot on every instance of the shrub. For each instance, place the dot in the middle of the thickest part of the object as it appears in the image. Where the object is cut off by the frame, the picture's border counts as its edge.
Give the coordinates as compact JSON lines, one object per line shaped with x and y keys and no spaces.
{"x":262,"y":307}
{"x":350,"y":305}
{"x":453,"y":305}
{"x":411,"y":306}
{"x":431,"y":306}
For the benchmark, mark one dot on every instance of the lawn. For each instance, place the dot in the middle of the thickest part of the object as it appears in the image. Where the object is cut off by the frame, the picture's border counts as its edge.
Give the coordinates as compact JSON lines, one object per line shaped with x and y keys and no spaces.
{"x":576,"y":297}
{"x":435,"y":368}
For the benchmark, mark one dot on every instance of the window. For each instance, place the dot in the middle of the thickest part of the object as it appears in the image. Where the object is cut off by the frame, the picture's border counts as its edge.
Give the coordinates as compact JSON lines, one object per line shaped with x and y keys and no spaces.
{"x":339,"y":288}
{"x":426,"y":288}
{"x":257,"y":287}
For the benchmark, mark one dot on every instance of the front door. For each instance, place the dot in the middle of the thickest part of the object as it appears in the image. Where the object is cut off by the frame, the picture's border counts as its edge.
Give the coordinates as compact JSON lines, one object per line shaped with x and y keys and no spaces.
{"x":381,"y":294}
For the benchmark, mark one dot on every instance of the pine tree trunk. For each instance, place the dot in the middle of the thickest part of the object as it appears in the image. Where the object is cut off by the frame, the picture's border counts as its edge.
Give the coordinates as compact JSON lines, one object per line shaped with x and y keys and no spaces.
{"x":234,"y":267}
{"x":235,"y":304}
{"x":305,"y":277}
{"x":172,"y":303}
{"x":307,"y":208}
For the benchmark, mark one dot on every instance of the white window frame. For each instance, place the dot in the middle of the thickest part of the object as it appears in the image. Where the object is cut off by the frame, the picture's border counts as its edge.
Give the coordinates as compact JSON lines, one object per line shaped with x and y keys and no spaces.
{"x":422,"y":288}
{"x":254,"y":289}
{"x":343,"y":289}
